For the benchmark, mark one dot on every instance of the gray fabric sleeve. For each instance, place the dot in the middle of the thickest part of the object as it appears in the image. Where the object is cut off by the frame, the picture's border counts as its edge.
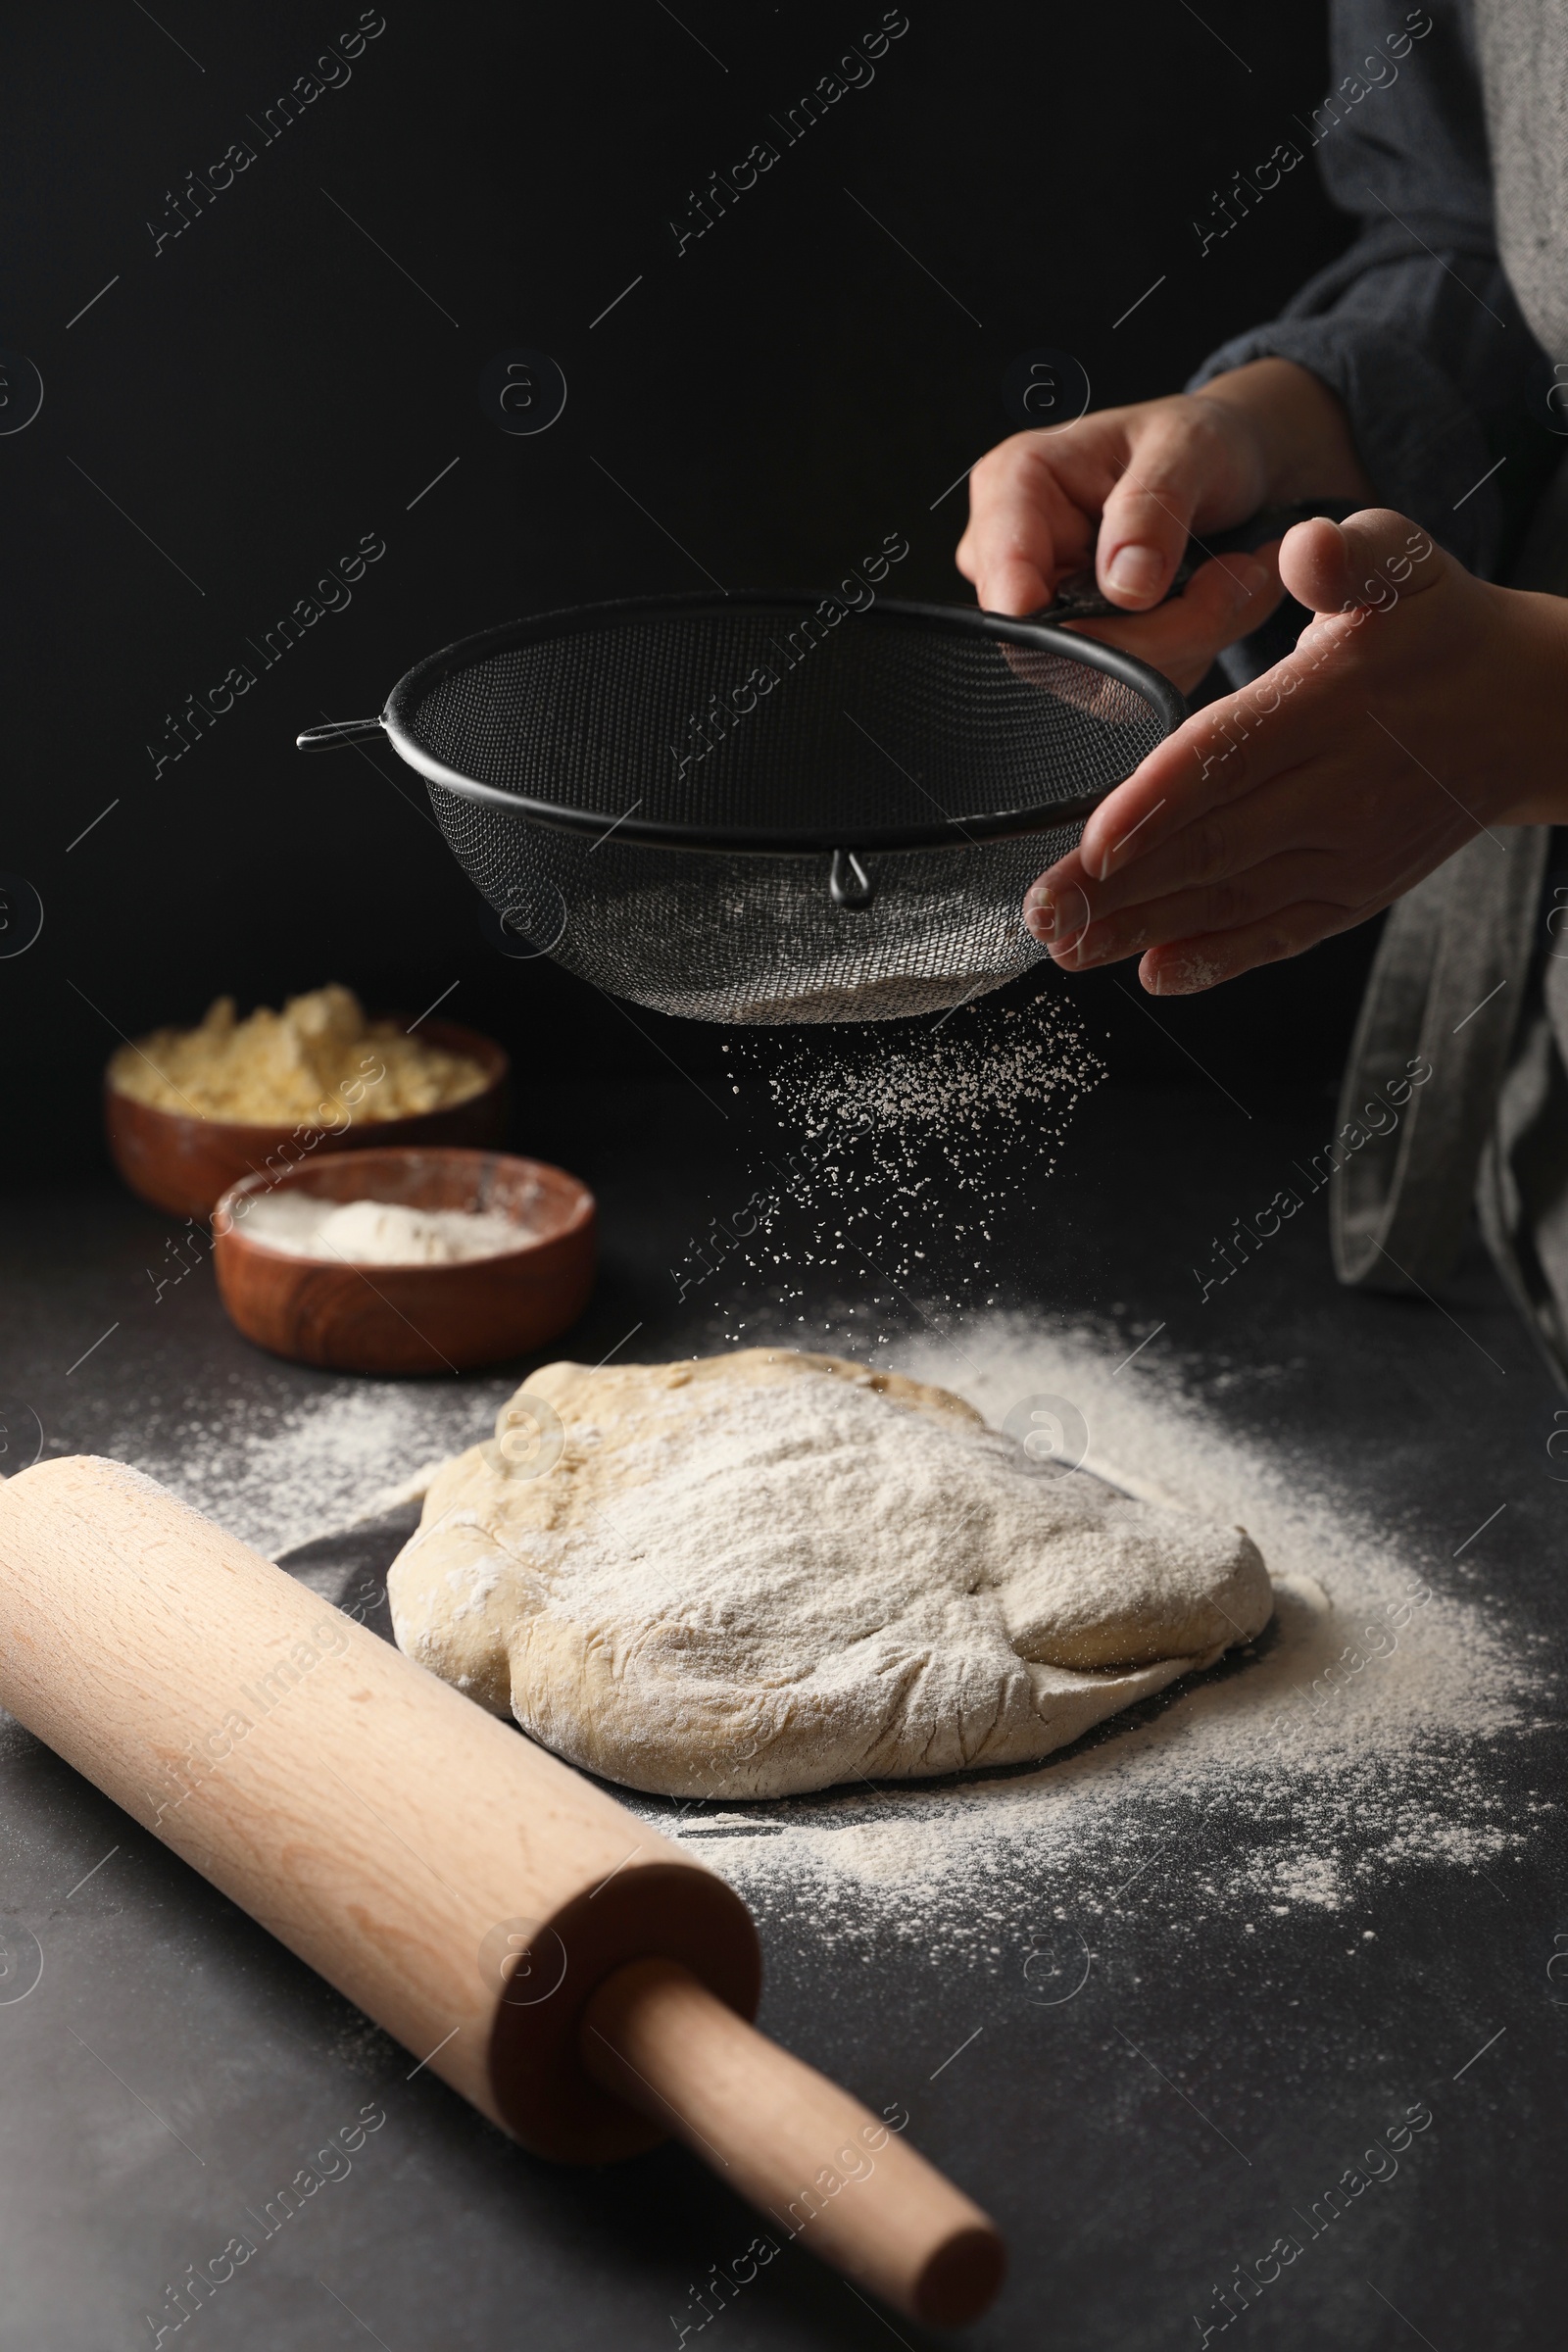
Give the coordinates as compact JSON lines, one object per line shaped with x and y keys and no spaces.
{"x":1414,"y":326}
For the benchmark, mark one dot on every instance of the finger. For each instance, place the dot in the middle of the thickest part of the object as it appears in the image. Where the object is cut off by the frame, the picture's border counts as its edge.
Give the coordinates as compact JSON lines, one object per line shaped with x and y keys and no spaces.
{"x":1308,"y":810}
{"x":1057,"y":909}
{"x":1215,"y":854}
{"x":1025,"y":526}
{"x":1148,"y":515}
{"x":1013,"y":579}
{"x":1314,"y":815}
{"x":1186,"y":968}
{"x":1371,"y":560}
{"x":1226,"y":599}
{"x":1224,"y":751}
{"x":1234,"y":905}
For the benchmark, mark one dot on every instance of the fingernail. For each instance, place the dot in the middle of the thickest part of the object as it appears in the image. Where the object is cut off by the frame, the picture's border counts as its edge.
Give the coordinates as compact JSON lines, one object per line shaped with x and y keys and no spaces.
{"x":1134,"y":571}
{"x":1041,"y":914}
{"x":1056,"y":917}
{"x":1248,"y":575}
{"x":1184,"y":976}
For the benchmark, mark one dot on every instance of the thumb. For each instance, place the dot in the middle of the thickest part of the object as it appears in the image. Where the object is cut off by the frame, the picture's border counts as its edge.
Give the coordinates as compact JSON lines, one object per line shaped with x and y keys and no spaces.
{"x":1371,"y":561}
{"x":1144,"y":528}
{"x":1176,"y":467}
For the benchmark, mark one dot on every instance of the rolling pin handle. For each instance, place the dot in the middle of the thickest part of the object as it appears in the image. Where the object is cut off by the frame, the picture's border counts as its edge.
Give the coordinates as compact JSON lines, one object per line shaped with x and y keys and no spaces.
{"x":821,"y":2166}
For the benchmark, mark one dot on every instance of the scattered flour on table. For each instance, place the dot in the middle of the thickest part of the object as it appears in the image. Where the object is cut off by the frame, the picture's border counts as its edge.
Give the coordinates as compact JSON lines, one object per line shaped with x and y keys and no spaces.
{"x":1352,"y":1745}
{"x":278,"y":1476}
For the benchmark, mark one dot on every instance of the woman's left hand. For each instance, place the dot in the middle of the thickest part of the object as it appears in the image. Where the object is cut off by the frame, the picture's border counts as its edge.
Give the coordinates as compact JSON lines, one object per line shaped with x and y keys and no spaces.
{"x":1422,"y":706}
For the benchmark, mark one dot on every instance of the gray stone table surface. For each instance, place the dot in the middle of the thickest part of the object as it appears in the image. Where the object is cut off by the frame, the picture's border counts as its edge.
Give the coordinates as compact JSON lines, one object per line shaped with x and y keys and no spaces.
{"x":1280,"y":2055}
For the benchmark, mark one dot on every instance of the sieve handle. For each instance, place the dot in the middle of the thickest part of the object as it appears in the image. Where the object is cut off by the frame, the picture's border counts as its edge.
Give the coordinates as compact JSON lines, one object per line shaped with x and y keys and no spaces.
{"x":337,"y":731}
{"x":1078,"y":598}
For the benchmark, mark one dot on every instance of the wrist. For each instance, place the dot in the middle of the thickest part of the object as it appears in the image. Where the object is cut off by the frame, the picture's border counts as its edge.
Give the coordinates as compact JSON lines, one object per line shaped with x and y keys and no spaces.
{"x":1298,"y":430}
{"x":1528,"y":689}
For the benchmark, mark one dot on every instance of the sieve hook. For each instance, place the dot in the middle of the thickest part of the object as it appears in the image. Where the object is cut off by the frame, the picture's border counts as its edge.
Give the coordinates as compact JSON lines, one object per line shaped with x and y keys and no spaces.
{"x":337,"y":731}
{"x":849,"y":885}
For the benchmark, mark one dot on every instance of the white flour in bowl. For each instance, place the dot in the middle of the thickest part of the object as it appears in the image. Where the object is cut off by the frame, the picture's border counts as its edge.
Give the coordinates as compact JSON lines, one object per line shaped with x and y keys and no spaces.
{"x":377,"y":1233}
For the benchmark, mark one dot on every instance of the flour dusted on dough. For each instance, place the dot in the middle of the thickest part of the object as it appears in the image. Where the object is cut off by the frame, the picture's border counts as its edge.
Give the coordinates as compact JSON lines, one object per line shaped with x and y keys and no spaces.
{"x":765,"y":1573}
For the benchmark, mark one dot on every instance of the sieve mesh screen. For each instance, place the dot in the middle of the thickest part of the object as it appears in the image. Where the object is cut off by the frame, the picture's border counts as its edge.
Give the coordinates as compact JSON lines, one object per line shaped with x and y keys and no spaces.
{"x":781,"y":721}
{"x":775,"y":717}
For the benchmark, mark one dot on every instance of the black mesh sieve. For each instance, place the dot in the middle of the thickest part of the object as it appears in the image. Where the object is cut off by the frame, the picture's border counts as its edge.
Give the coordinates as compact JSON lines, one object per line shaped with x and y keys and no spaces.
{"x":772,"y":808}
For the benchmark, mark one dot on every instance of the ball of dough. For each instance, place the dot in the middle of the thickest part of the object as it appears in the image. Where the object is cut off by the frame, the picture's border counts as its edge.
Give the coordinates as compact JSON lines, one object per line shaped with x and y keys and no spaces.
{"x":761,"y":1573}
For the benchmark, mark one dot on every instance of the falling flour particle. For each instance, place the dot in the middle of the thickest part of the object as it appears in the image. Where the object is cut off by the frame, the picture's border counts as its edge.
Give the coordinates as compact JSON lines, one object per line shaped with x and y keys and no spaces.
{"x":890,"y":1135}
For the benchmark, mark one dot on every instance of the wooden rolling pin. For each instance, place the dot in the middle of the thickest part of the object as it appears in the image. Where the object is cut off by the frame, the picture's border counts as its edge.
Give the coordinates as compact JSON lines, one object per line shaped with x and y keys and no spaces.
{"x":577,"y":1976}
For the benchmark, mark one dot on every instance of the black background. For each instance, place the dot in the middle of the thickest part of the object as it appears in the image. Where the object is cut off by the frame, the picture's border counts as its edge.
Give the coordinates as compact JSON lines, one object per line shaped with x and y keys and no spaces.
{"x":255,"y":398}
{"x":270,"y":386}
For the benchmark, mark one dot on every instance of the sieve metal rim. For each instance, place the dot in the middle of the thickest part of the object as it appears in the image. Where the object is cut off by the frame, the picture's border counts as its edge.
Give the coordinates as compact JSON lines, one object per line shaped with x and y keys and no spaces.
{"x":951,"y":833}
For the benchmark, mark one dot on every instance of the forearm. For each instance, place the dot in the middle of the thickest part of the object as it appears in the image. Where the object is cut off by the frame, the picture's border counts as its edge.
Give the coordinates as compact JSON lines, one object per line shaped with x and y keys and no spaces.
{"x":1413,"y":329}
{"x":1529,"y":705}
{"x":1303,"y":433}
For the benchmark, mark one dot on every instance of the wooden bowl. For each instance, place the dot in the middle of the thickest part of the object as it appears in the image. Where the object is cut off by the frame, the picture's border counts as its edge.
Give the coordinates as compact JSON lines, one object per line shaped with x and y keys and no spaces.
{"x":183,"y":1164}
{"x":413,"y":1318}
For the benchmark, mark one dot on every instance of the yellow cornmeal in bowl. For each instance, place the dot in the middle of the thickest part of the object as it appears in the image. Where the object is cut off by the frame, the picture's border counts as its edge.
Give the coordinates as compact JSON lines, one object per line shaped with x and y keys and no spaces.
{"x":318,"y":1059}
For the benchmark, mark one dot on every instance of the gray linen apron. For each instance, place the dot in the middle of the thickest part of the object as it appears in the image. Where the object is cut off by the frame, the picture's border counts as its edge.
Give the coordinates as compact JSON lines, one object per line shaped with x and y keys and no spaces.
{"x":1470,"y":980}
{"x":1471,"y":977}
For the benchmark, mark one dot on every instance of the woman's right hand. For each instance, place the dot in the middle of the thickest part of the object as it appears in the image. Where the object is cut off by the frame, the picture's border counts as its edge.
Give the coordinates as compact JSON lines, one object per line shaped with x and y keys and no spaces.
{"x":1143,"y":478}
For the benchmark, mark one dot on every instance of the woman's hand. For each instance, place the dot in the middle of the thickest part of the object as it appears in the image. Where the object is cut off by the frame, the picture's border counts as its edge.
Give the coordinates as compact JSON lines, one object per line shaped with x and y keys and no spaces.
{"x":1142,"y":478}
{"x":1420,"y":707}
